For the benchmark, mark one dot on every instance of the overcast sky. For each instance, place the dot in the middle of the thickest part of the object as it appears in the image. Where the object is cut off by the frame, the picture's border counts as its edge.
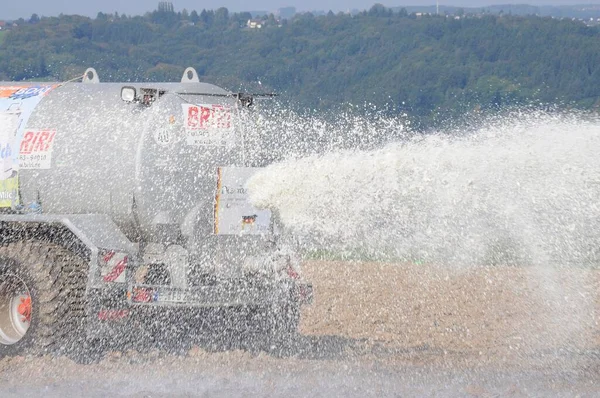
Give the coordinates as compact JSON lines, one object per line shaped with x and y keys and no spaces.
{"x":12,"y":9}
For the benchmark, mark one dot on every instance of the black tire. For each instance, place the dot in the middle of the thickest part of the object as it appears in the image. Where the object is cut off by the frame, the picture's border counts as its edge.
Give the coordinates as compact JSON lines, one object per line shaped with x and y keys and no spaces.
{"x":56,"y":281}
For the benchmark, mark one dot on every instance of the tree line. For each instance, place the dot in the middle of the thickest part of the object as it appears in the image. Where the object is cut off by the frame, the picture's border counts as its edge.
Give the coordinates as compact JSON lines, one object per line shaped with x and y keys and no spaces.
{"x":429,"y":66}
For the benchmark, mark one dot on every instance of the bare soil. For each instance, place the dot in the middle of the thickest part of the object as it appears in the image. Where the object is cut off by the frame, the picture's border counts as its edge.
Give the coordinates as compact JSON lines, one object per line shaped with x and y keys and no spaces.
{"x":375,"y":330}
{"x":503,"y":315}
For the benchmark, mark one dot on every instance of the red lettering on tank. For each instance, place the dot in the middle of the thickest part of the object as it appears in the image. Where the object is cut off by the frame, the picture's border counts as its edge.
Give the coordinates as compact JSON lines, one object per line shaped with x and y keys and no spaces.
{"x":208,"y":117}
{"x":50,"y":140}
{"x":26,"y":143}
{"x":41,"y":141}
{"x":205,"y":117}
{"x":37,"y":141}
{"x":192,"y":119}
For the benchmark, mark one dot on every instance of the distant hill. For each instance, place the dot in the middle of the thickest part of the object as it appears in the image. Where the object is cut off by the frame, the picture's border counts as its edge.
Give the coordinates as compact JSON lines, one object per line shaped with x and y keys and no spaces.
{"x":427,"y":66}
{"x":586,"y":11}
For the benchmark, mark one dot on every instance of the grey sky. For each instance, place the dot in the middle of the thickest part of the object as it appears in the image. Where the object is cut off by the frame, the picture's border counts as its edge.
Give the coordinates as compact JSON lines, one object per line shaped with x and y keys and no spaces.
{"x":12,"y":9}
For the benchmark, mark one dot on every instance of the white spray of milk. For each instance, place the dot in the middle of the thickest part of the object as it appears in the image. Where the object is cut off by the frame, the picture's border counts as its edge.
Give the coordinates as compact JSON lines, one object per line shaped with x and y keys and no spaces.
{"x":523,"y":189}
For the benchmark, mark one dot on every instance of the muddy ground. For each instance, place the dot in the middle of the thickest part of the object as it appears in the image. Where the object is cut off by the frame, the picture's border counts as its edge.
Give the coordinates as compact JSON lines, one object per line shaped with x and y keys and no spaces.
{"x":374,"y":330}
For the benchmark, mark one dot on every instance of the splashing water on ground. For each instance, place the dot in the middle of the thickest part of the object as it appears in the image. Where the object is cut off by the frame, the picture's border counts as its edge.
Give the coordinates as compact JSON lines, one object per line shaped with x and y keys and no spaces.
{"x":522,"y":189}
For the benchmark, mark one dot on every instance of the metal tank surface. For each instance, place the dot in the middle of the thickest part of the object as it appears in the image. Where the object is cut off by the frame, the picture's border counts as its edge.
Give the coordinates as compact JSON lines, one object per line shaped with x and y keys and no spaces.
{"x":129,"y":161}
{"x":148,"y":163}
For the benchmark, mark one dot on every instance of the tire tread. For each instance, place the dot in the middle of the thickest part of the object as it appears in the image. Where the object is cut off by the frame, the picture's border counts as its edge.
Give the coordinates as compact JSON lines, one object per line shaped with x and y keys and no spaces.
{"x":59,"y":279}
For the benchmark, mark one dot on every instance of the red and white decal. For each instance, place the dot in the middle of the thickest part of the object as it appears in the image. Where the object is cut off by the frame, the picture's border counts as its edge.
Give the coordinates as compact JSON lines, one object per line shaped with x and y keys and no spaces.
{"x":207,"y":124}
{"x":36,"y":147}
{"x":112,"y":315}
{"x":113,"y":265}
{"x":141,"y":295}
{"x":206,"y":117}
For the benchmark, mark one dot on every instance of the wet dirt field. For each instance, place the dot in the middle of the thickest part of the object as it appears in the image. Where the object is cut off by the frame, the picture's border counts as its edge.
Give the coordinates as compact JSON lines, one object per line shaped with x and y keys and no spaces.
{"x":374,"y":330}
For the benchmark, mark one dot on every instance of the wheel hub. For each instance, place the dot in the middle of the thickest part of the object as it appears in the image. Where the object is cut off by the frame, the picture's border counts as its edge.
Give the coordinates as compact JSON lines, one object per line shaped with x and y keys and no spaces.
{"x":15,"y":309}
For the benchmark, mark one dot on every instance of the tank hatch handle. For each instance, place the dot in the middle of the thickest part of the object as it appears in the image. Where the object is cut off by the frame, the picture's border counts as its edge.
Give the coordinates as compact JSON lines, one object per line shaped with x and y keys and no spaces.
{"x":91,"y":76}
{"x":190,"y":76}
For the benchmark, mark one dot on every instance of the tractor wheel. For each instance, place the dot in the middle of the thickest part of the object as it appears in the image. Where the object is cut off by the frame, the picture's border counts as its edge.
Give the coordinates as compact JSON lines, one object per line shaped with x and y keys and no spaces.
{"x":42,"y":299}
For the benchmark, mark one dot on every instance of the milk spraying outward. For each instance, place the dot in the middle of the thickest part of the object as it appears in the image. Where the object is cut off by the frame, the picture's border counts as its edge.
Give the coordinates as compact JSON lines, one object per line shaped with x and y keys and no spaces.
{"x":524,"y":189}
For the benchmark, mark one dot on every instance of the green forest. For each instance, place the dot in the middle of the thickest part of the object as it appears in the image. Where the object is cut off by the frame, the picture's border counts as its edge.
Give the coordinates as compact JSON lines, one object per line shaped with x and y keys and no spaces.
{"x":428,"y":66}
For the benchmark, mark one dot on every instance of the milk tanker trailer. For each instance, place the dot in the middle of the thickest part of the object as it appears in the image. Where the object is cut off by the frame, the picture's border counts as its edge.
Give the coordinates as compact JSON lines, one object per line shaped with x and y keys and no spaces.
{"x":123,"y":207}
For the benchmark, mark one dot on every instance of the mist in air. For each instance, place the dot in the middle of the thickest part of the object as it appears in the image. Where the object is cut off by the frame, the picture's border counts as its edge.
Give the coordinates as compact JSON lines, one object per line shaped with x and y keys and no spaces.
{"x":523,"y":188}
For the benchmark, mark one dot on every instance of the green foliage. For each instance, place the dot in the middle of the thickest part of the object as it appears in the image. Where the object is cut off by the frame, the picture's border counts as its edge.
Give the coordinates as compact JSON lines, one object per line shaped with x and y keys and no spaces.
{"x":429,"y":67}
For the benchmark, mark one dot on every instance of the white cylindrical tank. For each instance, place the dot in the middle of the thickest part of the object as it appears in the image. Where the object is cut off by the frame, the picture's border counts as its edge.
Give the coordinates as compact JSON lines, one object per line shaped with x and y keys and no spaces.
{"x":150,"y":167}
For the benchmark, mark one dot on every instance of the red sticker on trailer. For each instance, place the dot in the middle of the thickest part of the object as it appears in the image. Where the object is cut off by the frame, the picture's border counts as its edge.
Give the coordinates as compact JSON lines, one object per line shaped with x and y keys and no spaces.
{"x":209,"y":124}
{"x":112,"y":266}
{"x":207,"y":117}
{"x":35,"y":151}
